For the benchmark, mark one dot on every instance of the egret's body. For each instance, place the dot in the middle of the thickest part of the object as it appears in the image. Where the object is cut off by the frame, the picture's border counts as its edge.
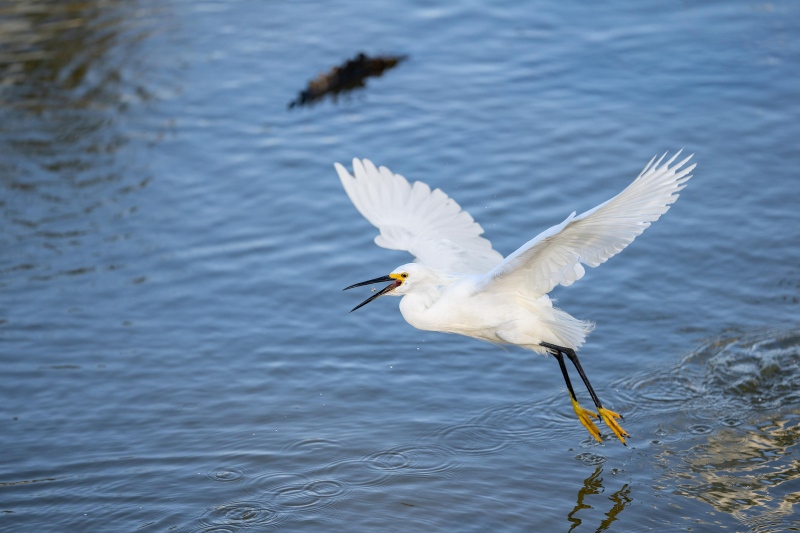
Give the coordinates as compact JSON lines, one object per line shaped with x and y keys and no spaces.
{"x":459,"y":284}
{"x":450,"y":303}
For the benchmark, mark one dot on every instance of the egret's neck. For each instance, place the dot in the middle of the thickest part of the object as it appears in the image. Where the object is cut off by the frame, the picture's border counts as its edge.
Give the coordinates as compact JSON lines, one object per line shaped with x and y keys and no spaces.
{"x":416,"y":304}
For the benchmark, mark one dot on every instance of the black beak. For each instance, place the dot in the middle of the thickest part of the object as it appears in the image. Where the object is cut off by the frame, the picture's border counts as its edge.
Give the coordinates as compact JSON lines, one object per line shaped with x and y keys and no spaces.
{"x":370,"y":282}
{"x":378,"y":294}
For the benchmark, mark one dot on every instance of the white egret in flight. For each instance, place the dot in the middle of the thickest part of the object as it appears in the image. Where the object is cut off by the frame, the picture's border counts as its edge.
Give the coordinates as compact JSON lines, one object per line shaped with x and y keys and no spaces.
{"x":459,"y":284}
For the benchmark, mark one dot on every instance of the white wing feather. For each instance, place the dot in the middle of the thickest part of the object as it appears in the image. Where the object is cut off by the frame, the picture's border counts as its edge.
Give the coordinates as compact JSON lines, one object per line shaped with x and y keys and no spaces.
{"x":428,"y":224}
{"x":554,"y":257}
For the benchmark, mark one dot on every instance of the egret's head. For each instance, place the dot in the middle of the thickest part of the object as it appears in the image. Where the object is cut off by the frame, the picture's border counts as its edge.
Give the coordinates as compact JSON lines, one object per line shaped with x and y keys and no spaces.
{"x":399,"y":280}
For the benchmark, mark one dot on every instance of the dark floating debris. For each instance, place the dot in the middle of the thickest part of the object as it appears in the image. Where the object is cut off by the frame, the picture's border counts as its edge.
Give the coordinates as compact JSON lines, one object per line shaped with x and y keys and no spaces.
{"x":344,"y":78}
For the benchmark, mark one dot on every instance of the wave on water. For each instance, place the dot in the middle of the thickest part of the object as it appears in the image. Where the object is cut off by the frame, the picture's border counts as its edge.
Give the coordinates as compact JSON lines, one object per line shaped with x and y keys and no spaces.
{"x":727,"y":418}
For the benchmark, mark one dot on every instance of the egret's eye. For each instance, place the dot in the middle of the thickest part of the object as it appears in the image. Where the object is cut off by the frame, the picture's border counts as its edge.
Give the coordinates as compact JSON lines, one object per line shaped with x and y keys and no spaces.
{"x":404,"y":275}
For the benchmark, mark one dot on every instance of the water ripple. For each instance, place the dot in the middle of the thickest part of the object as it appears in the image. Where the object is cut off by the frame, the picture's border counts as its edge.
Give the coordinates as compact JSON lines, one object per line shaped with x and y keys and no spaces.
{"x":313,"y":445}
{"x":237,"y":515}
{"x":762,"y":373}
{"x":474,"y":439}
{"x":356,"y":472}
{"x":726,"y":425}
{"x":417,"y":460}
{"x":700,"y":429}
{"x":516,"y":420}
{"x":316,"y":493}
{"x":226,"y":474}
{"x":591,"y":459}
{"x":649,"y":392}
{"x":737,"y":372}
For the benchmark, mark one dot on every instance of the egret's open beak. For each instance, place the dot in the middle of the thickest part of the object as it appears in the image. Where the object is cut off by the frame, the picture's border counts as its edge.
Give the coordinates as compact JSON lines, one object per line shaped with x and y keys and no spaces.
{"x":389,"y":288}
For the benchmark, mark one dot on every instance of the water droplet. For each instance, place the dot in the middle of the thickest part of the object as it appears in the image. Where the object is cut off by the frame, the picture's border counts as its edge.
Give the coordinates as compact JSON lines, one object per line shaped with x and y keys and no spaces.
{"x":700,"y":429}
{"x":226,"y":474}
{"x":731,"y":422}
{"x":591,"y":459}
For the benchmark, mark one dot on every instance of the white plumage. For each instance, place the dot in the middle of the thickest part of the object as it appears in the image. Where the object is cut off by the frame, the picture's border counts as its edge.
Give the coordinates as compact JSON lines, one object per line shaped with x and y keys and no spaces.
{"x":459,"y":284}
{"x":428,"y":224}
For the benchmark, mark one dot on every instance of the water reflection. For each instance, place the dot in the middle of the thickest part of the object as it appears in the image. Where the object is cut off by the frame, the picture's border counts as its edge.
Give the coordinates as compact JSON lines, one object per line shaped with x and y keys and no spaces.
{"x":747,"y":474}
{"x":732,"y":441}
{"x":593,"y":485}
{"x":66,"y":71}
{"x":69,"y":72}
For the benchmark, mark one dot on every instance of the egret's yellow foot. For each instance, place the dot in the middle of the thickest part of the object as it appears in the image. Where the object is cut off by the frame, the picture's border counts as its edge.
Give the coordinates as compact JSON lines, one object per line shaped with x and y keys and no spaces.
{"x":584,"y":416}
{"x":610,"y":418}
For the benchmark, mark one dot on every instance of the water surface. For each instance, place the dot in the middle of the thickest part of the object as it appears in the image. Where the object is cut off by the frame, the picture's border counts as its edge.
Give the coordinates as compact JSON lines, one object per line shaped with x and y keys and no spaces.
{"x":176,"y":351}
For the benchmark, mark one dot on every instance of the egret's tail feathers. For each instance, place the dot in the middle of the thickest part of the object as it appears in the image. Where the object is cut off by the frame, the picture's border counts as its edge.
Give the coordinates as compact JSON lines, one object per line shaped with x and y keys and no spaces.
{"x":570,"y":332}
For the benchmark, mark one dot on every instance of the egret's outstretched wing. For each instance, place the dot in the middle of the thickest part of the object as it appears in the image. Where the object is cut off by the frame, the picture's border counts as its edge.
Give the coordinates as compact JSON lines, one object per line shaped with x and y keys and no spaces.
{"x":554,"y":257}
{"x":428,"y":224}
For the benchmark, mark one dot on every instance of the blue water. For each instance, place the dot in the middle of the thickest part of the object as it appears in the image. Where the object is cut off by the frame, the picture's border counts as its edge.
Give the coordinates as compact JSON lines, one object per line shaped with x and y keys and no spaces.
{"x":177,"y":354}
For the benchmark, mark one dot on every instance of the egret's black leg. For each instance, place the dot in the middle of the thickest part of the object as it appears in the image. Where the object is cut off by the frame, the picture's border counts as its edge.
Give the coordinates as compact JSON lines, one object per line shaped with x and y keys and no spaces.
{"x":584,"y":415}
{"x":608,"y":416}
{"x":560,"y":357}
{"x":574,"y":358}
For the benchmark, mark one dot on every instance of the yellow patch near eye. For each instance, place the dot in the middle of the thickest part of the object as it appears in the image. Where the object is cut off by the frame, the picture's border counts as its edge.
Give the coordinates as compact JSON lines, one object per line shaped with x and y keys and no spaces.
{"x":398,"y":277}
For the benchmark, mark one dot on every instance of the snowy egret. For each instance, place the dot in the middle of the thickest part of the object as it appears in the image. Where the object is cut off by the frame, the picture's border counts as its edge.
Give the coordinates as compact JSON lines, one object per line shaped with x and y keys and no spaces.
{"x":459,"y":284}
